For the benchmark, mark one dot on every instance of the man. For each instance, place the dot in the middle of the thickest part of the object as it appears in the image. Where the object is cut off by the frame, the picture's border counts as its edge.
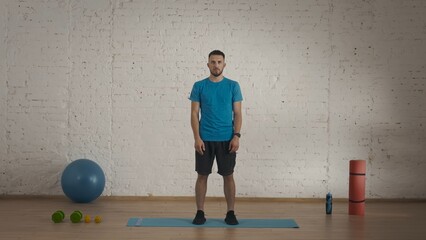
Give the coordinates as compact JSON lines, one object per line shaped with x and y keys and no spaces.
{"x":217,"y":133}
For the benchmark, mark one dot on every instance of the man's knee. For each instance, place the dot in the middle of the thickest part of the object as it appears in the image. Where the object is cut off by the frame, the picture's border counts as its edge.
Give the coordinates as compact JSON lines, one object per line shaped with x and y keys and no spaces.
{"x":202,"y":178}
{"x":229,"y":177}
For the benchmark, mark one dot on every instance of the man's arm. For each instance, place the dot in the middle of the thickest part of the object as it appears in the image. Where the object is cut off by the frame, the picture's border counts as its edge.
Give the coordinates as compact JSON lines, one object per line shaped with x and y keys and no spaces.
{"x":238,"y":122}
{"x":195,"y":125}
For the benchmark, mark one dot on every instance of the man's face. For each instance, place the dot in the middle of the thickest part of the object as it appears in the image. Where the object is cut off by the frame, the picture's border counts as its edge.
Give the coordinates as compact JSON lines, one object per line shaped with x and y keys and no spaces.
{"x":216,"y":65}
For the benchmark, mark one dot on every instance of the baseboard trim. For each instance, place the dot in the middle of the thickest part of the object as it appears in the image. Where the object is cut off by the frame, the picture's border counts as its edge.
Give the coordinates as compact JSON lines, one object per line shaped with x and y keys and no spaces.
{"x":219,"y":199}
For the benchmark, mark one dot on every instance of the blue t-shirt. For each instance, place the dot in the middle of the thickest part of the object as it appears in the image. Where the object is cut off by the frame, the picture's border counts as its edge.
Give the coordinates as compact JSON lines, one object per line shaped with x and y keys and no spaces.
{"x":216,"y":103}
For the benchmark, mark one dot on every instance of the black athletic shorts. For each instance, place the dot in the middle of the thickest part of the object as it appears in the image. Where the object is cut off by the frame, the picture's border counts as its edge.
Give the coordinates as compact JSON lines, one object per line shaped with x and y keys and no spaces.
{"x":224,"y":159}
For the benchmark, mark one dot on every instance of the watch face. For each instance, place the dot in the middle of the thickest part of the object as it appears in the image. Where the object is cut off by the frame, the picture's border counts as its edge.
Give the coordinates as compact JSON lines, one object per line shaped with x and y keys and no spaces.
{"x":237,"y":134}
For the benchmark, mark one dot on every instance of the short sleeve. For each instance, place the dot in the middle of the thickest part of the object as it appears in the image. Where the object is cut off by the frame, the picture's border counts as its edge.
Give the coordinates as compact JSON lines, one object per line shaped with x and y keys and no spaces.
{"x":237,"y":96}
{"x":195,"y":93}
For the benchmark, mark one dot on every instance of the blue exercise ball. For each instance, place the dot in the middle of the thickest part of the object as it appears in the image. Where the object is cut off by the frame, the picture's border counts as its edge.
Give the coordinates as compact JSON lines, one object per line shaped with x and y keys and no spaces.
{"x":83,"y":181}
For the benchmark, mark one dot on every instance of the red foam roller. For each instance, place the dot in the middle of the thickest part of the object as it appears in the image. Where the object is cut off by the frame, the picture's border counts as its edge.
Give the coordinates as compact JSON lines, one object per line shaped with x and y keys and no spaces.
{"x":357,"y":169}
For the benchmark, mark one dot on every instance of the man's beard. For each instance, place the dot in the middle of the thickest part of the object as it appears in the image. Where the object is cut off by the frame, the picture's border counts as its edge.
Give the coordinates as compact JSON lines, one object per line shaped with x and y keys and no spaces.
{"x":216,"y":74}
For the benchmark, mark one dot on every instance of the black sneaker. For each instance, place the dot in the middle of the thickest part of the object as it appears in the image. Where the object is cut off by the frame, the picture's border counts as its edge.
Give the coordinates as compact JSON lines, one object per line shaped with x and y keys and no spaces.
{"x":231,"y":219}
{"x":199,"y":218}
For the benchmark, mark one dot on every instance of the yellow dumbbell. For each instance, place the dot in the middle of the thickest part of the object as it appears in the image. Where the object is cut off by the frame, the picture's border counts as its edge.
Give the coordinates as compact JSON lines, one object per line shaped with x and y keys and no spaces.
{"x":98,"y":219}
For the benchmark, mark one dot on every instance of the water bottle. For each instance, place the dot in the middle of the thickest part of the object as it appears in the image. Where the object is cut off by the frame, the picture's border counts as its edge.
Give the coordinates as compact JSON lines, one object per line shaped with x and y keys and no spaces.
{"x":328,"y":203}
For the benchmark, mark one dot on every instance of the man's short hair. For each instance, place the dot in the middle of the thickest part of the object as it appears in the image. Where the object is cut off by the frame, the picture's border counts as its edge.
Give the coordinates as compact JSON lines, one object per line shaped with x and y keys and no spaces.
{"x":217,"y":52}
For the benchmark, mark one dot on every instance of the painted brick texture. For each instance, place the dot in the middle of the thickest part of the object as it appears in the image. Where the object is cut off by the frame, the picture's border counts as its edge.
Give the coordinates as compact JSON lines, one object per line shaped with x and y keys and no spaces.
{"x":323,"y":81}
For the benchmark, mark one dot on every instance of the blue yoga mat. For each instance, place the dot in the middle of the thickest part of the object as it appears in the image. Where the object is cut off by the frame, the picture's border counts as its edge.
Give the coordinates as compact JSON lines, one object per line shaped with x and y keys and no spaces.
{"x":211,"y":223}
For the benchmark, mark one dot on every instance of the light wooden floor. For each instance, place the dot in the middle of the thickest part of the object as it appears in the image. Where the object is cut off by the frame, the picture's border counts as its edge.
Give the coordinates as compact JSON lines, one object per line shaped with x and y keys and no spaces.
{"x":29,"y":218}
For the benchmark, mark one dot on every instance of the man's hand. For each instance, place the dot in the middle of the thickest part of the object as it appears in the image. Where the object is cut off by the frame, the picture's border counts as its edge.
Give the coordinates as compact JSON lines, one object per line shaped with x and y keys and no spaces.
{"x":234,"y":144}
{"x":199,"y":146}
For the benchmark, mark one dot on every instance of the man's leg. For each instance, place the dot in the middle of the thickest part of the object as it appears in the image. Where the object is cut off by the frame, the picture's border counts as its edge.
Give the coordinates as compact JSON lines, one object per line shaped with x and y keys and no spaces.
{"x":226,"y":163}
{"x":229,"y":190}
{"x":200,"y":196}
{"x":200,"y":191}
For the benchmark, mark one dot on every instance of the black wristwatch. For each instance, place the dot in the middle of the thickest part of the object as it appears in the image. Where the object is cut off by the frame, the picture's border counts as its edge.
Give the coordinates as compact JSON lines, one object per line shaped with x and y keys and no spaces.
{"x":237,"y":134}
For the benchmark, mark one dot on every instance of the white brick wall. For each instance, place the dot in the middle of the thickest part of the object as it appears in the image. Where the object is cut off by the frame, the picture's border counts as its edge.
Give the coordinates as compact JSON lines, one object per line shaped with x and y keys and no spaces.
{"x":3,"y":96}
{"x":324,"y":82}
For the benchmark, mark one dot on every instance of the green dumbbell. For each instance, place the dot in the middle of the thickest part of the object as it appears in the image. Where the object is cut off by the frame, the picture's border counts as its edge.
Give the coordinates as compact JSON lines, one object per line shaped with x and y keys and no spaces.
{"x":58,"y":216}
{"x":76,"y":216}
